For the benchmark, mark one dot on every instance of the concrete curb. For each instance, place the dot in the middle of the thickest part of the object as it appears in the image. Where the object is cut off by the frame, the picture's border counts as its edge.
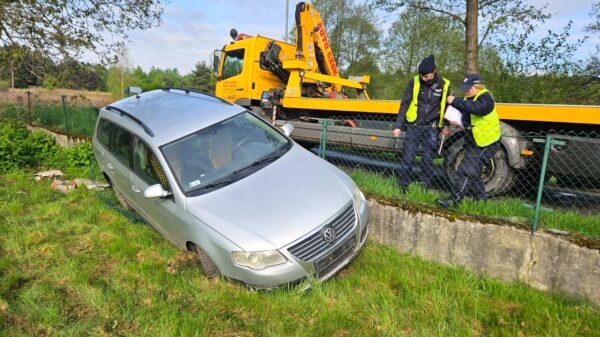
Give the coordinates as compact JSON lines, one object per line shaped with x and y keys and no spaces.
{"x":510,"y":253}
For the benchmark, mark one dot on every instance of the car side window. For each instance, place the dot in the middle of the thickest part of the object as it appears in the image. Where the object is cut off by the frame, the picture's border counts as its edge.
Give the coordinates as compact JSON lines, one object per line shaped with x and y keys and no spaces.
{"x":120,"y":145}
{"x":146,"y":165}
{"x":103,"y":133}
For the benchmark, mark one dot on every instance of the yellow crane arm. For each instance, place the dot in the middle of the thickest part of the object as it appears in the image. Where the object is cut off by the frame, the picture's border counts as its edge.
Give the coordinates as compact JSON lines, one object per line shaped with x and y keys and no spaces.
{"x":312,"y":44}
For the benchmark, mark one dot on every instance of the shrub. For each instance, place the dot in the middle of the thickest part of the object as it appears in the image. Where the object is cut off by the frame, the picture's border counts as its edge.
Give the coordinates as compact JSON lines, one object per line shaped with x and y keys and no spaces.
{"x":3,"y":85}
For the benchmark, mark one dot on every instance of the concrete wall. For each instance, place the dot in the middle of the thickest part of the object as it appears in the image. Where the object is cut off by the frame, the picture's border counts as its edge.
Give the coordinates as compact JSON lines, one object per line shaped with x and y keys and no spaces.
{"x":65,"y":140}
{"x":542,"y":260}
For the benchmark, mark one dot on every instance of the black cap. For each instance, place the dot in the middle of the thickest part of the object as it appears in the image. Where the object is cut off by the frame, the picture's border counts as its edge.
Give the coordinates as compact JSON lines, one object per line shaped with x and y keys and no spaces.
{"x":469,"y":81}
{"x":427,"y":65}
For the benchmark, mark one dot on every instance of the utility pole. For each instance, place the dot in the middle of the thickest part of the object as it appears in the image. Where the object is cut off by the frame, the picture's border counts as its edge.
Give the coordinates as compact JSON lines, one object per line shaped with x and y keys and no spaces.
{"x":287,"y":13}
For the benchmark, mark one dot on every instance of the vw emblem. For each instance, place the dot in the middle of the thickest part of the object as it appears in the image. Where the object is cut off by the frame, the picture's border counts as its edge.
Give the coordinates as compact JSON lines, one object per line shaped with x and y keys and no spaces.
{"x":329,"y":234}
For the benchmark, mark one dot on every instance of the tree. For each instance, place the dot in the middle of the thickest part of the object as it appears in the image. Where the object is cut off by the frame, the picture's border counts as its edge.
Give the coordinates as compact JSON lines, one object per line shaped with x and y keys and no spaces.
{"x":595,"y":14}
{"x":334,"y":14}
{"x":70,"y":27}
{"x":494,"y":17}
{"x":360,"y":37}
{"x":200,"y":78}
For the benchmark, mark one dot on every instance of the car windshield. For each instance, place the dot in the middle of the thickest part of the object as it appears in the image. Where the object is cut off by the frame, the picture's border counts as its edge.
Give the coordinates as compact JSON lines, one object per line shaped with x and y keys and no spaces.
{"x":223,"y":153}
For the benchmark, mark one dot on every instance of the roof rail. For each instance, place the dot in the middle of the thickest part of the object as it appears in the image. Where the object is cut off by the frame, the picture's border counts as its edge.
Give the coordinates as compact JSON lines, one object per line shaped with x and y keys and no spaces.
{"x":187,"y":91}
{"x":135,"y":119}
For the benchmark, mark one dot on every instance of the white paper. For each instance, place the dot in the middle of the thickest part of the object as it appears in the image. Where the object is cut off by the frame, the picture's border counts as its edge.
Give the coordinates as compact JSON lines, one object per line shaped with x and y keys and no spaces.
{"x":454,"y":116}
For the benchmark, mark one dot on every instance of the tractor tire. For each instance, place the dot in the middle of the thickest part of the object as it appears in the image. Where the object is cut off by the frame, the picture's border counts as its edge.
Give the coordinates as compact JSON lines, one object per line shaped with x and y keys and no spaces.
{"x":498,"y":177}
{"x":209,"y":269}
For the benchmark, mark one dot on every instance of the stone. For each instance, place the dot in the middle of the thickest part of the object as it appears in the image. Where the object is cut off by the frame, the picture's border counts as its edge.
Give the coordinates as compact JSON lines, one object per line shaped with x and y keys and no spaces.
{"x":48,"y":174}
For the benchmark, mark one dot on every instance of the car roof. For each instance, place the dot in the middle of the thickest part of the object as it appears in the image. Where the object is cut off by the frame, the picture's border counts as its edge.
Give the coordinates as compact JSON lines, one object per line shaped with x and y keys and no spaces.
{"x":170,"y":114}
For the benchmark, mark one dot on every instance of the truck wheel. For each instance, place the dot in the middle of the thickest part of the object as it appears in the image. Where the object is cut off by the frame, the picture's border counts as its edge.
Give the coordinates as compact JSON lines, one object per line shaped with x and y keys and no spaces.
{"x":497,"y":175}
{"x":208,"y":267}
{"x":261,"y":113}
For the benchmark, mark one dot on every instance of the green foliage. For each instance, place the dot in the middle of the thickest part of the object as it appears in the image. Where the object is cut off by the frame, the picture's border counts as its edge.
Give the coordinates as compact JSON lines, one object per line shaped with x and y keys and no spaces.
{"x":80,"y":155}
{"x":20,"y":148}
{"x":68,"y":28}
{"x":50,"y":82}
{"x":200,"y":78}
{"x":3,"y":85}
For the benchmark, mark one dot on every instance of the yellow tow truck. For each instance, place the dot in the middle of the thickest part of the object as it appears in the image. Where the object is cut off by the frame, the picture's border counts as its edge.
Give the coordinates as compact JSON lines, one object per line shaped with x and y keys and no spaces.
{"x":300,"y":84}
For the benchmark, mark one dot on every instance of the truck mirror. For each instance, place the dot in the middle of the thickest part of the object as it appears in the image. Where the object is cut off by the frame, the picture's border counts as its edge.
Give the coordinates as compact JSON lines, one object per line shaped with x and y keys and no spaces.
{"x":216,"y":62}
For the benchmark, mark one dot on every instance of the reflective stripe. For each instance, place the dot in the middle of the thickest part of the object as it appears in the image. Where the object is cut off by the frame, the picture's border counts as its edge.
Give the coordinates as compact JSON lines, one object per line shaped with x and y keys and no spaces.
{"x":411,"y":113}
{"x":443,"y":102}
{"x":486,"y":129}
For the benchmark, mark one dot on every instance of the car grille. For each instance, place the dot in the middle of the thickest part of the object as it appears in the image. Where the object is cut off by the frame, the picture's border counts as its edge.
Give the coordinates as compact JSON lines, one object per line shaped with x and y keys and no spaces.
{"x":310,"y":248}
{"x":329,"y":262}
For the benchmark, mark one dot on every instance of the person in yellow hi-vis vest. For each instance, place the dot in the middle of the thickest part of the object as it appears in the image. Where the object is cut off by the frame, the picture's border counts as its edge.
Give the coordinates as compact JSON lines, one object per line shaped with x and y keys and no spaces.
{"x":422,"y":113}
{"x":483,"y":133}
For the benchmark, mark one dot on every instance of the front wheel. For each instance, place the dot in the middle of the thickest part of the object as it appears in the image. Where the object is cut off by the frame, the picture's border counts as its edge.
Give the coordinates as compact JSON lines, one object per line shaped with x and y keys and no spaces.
{"x":209,"y":269}
{"x":497,"y":175}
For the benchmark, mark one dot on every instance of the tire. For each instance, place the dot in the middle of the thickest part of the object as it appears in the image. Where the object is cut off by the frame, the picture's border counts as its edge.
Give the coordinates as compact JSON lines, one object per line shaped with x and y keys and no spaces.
{"x":208,"y":267}
{"x":121,"y":198}
{"x":498,"y":177}
{"x":260,"y":112}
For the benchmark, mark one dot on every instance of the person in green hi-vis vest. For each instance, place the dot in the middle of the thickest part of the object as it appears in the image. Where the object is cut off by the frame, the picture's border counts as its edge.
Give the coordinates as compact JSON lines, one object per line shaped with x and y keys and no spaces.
{"x":483,"y":133}
{"x":422,"y":113}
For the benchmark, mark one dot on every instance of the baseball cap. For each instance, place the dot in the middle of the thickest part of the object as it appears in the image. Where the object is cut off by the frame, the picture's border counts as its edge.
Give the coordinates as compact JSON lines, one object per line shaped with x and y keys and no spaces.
{"x":469,"y":81}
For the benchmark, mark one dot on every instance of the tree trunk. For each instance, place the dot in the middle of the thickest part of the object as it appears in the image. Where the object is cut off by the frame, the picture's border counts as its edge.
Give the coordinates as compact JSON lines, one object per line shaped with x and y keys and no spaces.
{"x":471,"y":38}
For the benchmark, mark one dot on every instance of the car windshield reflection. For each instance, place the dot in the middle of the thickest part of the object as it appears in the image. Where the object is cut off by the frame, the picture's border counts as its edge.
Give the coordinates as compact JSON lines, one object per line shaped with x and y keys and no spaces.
{"x":224,"y":153}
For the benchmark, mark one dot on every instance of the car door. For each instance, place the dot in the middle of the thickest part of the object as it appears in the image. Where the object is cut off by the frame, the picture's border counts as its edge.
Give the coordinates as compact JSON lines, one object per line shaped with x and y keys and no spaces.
{"x":235,"y":75}
{"x":118,"y":158}
{"x":147,"y":171}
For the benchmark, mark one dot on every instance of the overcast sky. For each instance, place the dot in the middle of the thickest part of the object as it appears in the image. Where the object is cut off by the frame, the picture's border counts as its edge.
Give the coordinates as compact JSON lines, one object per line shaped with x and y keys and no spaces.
{"x":191,"y":30}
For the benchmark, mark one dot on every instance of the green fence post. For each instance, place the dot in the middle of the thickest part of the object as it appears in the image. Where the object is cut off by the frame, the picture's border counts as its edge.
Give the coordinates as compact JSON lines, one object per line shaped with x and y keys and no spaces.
{"x":64,"y":106}
{"x":538,"y":201}
{"x":323,"y":142}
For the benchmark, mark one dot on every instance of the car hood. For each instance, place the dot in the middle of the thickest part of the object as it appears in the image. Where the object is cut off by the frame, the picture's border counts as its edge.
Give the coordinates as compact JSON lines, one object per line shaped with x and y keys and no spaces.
{"x":276,"y":205}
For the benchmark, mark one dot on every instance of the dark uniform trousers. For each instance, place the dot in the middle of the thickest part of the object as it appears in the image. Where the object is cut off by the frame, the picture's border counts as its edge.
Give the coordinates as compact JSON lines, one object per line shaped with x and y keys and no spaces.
{"x":426,"y":137}
{"x":468,"y":180}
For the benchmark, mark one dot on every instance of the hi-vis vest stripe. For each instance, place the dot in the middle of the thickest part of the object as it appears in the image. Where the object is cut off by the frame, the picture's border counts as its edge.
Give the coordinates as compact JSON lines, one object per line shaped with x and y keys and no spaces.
{"x":486,"y":129}
{"x":411,"y":113}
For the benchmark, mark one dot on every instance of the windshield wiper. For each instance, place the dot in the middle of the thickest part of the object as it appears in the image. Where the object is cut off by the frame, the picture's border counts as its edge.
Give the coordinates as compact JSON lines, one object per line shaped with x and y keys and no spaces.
{"x":258,"y":162}
{"x":220,"y":183}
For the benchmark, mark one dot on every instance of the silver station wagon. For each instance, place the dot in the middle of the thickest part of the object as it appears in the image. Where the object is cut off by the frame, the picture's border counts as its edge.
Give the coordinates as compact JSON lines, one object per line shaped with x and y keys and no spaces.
{"x":216,"y":179}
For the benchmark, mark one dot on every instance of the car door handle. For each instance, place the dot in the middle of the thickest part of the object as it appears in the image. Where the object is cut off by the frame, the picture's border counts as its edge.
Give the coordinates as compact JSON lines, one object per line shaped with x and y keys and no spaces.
{"x":135,"y":189}
{"x":110,"y":166}
{"x":239,"y":89}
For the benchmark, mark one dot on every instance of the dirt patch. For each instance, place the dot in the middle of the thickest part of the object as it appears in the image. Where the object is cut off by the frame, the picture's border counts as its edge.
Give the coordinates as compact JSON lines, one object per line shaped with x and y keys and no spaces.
{"x":182,"y":260}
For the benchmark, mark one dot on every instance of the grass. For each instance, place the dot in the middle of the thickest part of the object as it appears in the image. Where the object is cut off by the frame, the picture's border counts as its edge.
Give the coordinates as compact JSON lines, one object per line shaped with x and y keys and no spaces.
{"x":76,"y":265}
{"x":512,"y":209}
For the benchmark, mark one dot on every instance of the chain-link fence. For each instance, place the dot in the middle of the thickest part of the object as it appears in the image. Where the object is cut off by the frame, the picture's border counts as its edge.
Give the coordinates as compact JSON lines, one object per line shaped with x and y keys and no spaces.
{"x":539,"y":177}
{"x":70,"y":114}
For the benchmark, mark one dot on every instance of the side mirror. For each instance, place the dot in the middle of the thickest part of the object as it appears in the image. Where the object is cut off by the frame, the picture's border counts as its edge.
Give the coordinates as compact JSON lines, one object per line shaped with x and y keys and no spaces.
{"x":131,"y":90}
{"x":216,"y":62}
{"x":287,"y":129}
{"x":155,"y":191}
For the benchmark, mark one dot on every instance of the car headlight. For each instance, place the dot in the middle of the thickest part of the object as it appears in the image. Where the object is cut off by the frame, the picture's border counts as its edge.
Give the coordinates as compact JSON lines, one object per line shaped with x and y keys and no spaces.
{"x":357,"y":196}
{"x":258,"y":260}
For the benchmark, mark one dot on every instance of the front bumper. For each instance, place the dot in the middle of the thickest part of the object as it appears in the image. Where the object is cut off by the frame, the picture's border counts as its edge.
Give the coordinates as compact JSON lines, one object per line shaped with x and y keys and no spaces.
{"x":324,"y":267}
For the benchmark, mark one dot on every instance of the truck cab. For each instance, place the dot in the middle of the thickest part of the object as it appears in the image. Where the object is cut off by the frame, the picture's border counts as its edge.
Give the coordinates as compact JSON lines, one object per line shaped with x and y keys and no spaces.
{"x":240,"y":77}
